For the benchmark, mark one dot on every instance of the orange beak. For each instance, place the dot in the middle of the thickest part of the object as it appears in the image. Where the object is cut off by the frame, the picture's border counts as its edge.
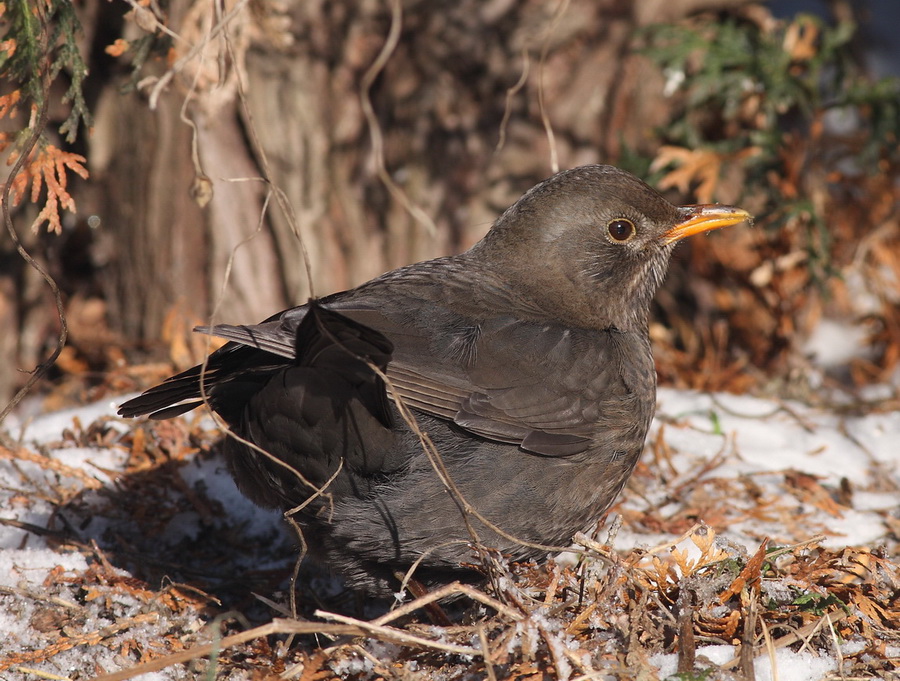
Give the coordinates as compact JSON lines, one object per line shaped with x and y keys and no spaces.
{"x":703,"y":219}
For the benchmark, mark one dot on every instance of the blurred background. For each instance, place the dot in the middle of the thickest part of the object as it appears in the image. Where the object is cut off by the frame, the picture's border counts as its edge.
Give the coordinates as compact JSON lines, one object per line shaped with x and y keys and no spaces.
{"x":205,"y":146}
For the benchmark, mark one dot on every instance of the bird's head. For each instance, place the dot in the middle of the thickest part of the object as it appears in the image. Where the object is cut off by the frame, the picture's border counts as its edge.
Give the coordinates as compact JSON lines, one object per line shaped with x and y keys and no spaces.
{"x":591,"y":245}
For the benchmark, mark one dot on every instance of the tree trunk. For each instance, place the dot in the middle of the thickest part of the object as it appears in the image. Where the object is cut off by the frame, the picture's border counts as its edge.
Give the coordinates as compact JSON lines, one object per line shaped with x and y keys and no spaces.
{"x":474,"y":104}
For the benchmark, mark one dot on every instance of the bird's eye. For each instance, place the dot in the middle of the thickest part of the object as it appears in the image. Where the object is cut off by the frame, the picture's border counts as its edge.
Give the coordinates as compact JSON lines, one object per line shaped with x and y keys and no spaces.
{"x":620,"y":230}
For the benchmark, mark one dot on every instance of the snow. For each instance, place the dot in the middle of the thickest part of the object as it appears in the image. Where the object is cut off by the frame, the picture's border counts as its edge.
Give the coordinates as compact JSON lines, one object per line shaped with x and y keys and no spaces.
{"x":763,"y":440}
{"x":788,"y":665}
{"x":49,"y":427}
{"x":53,"y":590}
{"x":834,"y":343}
{"x":23,"y":568}
{"x":766,"y":439}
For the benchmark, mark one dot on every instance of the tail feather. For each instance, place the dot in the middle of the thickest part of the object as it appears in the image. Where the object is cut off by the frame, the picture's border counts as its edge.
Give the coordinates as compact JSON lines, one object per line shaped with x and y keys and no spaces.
{"x":233,"y":373}
{"x":182,"y":393}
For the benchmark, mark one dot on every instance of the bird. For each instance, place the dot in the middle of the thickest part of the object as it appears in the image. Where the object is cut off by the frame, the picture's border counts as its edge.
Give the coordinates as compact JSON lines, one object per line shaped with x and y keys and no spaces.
{"x":499,"y":397}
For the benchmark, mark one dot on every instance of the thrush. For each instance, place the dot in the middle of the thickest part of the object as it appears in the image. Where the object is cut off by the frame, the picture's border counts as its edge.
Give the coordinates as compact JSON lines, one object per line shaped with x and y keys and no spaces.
{"x":525,"y":360}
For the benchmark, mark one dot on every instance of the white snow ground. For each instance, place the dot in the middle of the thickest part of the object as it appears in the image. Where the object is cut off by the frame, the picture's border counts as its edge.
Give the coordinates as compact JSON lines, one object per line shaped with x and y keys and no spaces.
{"x":748,"y":439}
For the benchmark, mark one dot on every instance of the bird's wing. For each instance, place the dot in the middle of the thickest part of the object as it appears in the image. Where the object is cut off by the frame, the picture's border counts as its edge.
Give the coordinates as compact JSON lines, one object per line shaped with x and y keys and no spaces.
{"x":541,"y":386}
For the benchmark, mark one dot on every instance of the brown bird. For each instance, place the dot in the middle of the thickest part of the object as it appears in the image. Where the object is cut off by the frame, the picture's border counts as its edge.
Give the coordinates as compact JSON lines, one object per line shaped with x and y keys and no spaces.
{"x":526,"y":360}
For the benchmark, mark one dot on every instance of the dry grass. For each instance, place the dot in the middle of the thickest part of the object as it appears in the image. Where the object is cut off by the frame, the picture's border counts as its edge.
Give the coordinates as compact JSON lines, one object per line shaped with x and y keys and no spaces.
{"x":605,"y":614}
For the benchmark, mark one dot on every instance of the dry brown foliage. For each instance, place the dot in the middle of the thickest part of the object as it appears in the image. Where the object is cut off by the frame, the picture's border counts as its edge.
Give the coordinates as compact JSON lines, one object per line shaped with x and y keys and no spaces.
{"x":607,"y":613}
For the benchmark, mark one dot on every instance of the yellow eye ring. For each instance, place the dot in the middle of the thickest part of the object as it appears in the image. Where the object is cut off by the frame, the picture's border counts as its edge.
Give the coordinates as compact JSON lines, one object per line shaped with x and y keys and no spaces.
{"x":621,"y":230}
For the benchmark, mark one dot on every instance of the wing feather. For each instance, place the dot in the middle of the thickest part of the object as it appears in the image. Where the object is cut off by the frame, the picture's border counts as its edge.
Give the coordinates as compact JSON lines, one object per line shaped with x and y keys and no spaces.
{"x":539,"y":385}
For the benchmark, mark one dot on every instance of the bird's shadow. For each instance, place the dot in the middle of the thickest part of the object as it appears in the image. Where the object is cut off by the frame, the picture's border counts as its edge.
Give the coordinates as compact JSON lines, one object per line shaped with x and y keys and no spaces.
{"x":183,"y":522}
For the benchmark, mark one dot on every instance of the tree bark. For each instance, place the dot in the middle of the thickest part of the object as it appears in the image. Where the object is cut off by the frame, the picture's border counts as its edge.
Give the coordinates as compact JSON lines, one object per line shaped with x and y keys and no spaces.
{"x":474,"y":104}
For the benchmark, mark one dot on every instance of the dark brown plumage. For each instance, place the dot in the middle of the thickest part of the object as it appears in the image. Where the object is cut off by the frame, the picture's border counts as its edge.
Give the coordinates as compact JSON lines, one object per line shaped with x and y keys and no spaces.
{"x":526,"y":360}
